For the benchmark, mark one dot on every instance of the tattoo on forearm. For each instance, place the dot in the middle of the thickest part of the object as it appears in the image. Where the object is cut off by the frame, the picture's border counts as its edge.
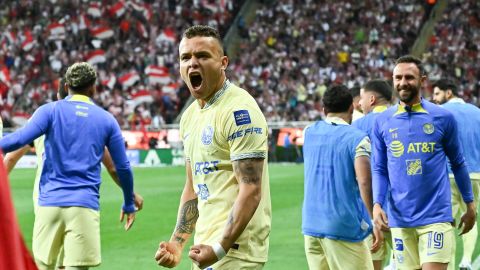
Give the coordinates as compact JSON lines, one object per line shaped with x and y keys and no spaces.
{"x":230,"y":218}
{"x":179,"y":239}
{"x":188,"y":217}
{"x":249,"y":170}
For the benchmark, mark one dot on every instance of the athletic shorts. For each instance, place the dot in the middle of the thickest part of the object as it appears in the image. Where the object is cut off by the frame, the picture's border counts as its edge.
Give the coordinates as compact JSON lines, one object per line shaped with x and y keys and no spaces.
{"x":77,"y":229}
{"x":228,"y":263}
{"x":324,"y":254}
{"x":430,"y":243}
{"x":382,"y":253}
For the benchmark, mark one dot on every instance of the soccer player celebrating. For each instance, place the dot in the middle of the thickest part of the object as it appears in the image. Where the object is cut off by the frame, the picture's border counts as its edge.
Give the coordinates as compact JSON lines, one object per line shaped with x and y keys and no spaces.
{"x":411,"y":143}
{"x":375,"y":97}
{"x":467,"y":116}
{"x":76,"y":133}
{"x":226,"y":197}
{"x":337,"y":206}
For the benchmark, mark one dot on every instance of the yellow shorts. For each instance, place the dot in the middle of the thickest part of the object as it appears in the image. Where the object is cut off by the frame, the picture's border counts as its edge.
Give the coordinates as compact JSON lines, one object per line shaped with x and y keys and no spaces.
{"x":324,"y":254}
{"x":227,"y":263}
{"x":430,"y":243}
{"x":382,"y":253}
{"x":458,"y":205}
{"x":77,"y":229}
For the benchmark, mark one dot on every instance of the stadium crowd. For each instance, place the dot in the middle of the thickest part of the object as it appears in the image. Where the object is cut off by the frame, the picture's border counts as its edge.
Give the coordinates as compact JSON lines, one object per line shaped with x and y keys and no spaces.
{"x":298,"y":48}
{"x":133,"y":44}
{"x":453,"y":50}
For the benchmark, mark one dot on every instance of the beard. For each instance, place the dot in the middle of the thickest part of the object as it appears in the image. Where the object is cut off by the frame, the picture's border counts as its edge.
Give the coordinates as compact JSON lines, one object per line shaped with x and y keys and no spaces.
{"x":407,"y":93}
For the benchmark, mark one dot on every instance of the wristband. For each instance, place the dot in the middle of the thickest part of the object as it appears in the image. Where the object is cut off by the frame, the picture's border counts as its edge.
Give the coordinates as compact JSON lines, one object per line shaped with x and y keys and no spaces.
{"x":219,"y":251}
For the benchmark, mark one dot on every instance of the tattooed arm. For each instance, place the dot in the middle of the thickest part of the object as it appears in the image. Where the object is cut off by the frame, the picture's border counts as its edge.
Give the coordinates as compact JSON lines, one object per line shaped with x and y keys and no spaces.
{"x":249,"y":176}
{"x":248,"y":173}
{"x":169,"y":253}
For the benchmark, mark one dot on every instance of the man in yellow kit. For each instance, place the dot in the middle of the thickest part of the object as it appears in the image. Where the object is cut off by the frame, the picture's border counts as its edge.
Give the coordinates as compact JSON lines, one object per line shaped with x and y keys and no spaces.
{"x":226,"y":197}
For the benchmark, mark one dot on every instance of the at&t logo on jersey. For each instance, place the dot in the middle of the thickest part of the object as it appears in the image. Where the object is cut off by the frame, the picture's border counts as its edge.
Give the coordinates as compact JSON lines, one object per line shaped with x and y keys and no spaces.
{"x":242,"y":117}
{"x":397,"y":148}
{"x":203,"y":191}
{"x":205,"y":167}
{"x":207,"y":135}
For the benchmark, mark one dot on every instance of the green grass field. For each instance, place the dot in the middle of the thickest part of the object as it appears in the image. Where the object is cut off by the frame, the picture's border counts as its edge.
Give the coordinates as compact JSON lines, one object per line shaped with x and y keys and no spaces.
{"x":161,"y":188}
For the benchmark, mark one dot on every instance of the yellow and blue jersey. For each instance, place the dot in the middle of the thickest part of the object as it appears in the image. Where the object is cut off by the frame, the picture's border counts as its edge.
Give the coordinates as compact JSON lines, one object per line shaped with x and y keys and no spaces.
{"x":76,"y":133}
{"x":410,"y":150}
{"x":229,"y":127}
{"x":468,"y":121}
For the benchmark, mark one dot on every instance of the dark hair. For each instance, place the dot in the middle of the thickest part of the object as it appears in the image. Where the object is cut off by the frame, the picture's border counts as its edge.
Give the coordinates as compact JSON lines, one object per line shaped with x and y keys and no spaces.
{"x":337,"y":99}
{"x":203,"y":31}
{"x":62,"y":92}
{"x":414,"y":60}
{"x":446,"y":84}
{"x":380,"y":87}
{"x":355,"y":91}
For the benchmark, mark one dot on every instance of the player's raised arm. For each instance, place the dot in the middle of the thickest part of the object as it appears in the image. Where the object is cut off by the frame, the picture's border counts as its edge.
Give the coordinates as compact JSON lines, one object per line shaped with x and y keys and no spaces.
{"x":169,"y":253}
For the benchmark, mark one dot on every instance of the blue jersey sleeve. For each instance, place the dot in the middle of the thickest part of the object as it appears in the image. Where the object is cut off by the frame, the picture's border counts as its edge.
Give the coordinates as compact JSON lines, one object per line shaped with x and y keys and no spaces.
{"x":453,"y":150}
{"x":380,"y":170}
{"x":36,"y":127}
{"x":116,"y":147}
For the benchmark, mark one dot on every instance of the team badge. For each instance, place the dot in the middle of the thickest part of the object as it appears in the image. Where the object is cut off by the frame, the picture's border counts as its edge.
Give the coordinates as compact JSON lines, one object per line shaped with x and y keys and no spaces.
{"x":414,"y":166}
{"x":397,"y":148}
{"x":203,"y":192}
{"x":398,"y":244}
{"x":242,"y":117}
{"x":428,"y":128}
{"x":207,"y":135}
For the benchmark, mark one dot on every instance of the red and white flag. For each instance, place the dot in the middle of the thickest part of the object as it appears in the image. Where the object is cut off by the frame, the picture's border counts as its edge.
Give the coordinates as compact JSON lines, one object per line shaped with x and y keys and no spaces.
{"x":83,"y":22}
{"x":11,"y":37}
{"x":94,"y":9}
{"x":110,"y":81}
{"x":157,"y":74}
{"x":28,"y":42}
{"x":171,"y":88}
{"x":96,"y":56}
{"x":142,"y":96}
{"x":142,"y":30}
{"x":56,"y":30}
{"x":168,"y":35}
{"x":102,"y":32}
{"x":118,"y":9}
{"x":5,"y":76}
{"x":129,"y":79}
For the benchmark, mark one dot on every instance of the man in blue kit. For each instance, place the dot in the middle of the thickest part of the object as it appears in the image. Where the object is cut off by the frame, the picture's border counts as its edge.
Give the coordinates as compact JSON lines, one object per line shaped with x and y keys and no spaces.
{"x":411,"y":143}
{"x":467,"y":116}
{"x":76,"y":133}
{"x":337,"y":202}
{"x":375,"y":97}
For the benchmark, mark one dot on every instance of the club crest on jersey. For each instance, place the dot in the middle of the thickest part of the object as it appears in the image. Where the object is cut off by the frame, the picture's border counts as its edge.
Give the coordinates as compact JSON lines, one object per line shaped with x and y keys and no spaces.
{"x":242,"y":117}
{"x":203,"y":191}
{"x":207,"y":135}
{"x":428,"y":128}
{"x":398,"y":244}
{"x":414,"y":166}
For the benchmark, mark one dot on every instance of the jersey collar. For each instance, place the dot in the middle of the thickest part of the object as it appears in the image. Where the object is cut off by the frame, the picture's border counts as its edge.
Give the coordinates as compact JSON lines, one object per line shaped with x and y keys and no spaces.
{"x":80,"y":98}
{"x":456,"y":100}
{"x":217,"y":95}
{"x":379,"y":109}
{"x":335,"y":120}
{"x":418,"y":108}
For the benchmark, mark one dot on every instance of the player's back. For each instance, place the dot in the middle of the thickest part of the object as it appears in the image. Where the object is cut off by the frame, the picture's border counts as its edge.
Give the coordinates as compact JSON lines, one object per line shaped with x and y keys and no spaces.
{"x":75,"y":138}
{"x":467,"y":117}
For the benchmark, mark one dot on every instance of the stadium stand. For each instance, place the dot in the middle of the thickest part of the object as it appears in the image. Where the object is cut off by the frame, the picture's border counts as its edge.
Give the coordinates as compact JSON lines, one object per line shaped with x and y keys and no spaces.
{"x":453,"y":50}
{"x":134,"y":45}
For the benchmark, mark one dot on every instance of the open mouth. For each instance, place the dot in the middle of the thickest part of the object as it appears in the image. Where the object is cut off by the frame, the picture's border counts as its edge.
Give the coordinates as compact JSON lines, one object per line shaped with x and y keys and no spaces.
{"x":196,"y":80}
